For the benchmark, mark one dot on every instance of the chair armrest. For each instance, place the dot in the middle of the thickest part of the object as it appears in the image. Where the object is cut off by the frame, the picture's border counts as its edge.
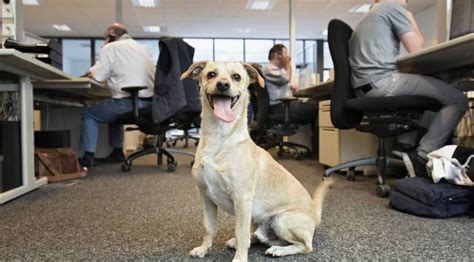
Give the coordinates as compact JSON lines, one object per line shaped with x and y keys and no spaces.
{"x":133,"y":90}
{"x":287,"y":99}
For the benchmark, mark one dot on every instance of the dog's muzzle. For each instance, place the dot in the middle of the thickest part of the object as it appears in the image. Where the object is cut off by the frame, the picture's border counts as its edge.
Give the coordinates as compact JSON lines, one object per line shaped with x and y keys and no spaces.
{"x":222,"y":106}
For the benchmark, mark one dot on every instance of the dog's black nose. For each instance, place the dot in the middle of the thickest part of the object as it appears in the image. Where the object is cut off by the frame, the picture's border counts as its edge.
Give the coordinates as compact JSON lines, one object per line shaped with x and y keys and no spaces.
{"x":223,"y":85}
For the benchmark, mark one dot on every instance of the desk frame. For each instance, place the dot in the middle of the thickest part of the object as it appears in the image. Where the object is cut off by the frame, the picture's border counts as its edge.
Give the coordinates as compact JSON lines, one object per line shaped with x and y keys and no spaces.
{"x":29,"y":181}
{"x":26,"y":68}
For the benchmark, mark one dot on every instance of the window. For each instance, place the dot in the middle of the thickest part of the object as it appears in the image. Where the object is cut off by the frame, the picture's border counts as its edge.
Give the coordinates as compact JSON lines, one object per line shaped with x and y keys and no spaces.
{"x":202,"y":48}
{"x":328,"y":65}
{"x":256,"y":51}
{"x":229,"y":49}
{"x":98,"y":44}
{"x":151,"y":45}
{"x":310,"y":54}
{"x":76,"y":56}
{"x":327,"y":57}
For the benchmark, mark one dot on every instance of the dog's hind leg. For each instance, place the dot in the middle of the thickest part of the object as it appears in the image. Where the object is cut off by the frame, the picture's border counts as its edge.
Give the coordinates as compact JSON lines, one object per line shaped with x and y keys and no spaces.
{"x":210,"y":223}
{"x":295,"y":228}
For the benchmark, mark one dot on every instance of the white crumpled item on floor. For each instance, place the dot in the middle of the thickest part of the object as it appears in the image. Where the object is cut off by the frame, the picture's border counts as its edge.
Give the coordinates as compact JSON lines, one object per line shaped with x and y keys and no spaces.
{"x":441,"y":164}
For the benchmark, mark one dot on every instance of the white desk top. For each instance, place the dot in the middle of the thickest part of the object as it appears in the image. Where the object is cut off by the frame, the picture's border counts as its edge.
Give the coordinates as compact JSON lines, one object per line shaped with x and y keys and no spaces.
{"x":15,"y":62}
{"x":320,"y":90}
{"x":80,"y":86}
{"x":440,"y":58}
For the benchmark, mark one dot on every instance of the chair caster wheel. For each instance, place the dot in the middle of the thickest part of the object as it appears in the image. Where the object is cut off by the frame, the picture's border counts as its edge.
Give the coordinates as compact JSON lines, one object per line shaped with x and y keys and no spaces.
{"x":125,"y":167}
{"x":172,"y":167}
{"x":351,"y":175}
{"x":383,"y":191}
{"x":280,"y":154}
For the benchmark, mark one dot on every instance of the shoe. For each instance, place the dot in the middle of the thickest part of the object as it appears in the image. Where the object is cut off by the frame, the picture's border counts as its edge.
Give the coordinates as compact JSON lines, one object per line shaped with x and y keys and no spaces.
{"x":87,"y":160}
{"x":415,"y":164}
{"x":401,"y":148}
{"x":115,"y":157}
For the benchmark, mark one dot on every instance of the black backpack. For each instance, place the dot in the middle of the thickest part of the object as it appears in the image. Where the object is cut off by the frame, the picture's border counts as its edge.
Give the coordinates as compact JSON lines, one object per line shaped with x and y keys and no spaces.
{"x":420,"y":196}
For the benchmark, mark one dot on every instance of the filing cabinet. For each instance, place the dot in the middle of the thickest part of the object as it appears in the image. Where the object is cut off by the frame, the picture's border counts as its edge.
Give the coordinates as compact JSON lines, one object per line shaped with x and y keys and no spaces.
{"x":339,"y":146}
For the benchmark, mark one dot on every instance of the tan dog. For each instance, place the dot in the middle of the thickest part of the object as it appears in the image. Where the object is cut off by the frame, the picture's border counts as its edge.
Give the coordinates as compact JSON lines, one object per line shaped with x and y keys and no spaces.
{"x":236,"y":175}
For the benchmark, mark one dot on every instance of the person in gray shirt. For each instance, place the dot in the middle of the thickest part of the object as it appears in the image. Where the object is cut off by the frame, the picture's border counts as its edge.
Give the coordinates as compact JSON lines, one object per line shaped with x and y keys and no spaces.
{"x":373,"y":51}
{"x":277,"y":74}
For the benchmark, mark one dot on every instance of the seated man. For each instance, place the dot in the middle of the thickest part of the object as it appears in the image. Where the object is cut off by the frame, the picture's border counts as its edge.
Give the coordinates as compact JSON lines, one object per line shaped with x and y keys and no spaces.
{"x":277,"y":76}
{"x":373,"y":51}
{"x":122,"y":63}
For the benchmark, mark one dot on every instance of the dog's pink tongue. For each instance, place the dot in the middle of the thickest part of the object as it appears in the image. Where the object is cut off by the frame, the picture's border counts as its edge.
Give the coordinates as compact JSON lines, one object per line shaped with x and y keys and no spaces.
{"x":222,"y":109}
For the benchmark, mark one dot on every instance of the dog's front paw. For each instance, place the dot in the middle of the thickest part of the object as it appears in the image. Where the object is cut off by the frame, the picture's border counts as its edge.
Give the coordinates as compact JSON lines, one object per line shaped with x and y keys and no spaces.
{"x":198,"y":252}
{"x":231,"y":243}
{"x":276,"y":251}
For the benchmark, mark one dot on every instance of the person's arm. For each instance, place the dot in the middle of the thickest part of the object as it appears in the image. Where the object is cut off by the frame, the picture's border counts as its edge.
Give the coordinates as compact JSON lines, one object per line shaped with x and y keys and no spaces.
{"x":102,"y":69}
{"x":289,"y":73}
{"x":275,"y":76}
{"x":412,"y":41}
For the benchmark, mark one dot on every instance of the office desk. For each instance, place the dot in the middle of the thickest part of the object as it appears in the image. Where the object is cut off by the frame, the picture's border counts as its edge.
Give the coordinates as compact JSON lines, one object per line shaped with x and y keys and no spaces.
{"x":319,"y":91}
{"x":442,"y":58}
{"x":78,"y":92}
{"x":20,"y":69}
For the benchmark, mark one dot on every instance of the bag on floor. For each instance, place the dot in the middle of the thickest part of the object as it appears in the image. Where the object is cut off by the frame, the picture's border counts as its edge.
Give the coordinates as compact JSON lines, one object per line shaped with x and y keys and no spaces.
{"x":58,"y":164}
{"x":420,"y":196}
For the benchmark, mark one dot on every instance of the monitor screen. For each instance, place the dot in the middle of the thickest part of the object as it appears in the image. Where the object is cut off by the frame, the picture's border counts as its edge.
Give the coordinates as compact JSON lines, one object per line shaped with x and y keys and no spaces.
{"x":462,"y":18}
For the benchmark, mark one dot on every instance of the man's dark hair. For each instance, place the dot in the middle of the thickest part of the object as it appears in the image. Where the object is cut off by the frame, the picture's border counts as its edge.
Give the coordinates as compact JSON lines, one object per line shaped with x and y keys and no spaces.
{"x":117,"y":29}
{"x":276,"y":49}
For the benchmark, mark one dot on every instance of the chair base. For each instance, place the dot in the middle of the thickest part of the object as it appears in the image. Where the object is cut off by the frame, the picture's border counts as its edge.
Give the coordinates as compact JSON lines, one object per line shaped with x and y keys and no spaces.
{"x":284,"y":150}
{"x":381,"y":162}
{"x":186,"y":137}
{"x":159,"y":151}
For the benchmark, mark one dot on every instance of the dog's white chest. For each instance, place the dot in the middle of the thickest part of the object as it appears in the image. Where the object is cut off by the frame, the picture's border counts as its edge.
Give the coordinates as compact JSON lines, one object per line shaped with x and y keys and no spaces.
{"x":212,"y":181}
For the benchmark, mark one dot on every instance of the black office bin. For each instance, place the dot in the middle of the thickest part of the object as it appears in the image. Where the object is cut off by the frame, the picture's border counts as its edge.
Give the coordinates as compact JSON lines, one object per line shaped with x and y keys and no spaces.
{"x":10,"y":150}
{"x":53,"y":139}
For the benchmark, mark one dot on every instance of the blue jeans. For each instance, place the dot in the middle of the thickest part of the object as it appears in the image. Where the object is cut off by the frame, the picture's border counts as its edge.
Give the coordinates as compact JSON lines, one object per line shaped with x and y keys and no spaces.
{"x":107,"y":111}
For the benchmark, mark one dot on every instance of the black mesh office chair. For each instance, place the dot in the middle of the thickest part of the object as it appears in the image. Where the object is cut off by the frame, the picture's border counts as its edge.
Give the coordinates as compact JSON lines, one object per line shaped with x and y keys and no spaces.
{"x":381,"y":116}
{"x":272,"y":127}
{"x":175,"y":57}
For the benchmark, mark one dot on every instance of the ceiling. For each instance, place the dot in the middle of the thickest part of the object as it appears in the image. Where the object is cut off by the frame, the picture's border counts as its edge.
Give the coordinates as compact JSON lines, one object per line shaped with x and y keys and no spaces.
{"x":193,"y":18}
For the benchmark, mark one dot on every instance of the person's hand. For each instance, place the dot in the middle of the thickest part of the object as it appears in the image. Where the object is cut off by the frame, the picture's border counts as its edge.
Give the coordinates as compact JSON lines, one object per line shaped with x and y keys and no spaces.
{"x":286,"y":60}
{"x":295,"y":88}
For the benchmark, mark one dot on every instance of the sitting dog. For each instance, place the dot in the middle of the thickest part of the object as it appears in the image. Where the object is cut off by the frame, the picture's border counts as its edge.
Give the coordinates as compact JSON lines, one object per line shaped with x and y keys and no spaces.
{"x":236,"y":175}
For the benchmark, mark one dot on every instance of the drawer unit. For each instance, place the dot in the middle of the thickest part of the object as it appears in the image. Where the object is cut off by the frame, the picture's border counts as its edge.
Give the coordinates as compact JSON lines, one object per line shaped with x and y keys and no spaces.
{"x":339,"y":146}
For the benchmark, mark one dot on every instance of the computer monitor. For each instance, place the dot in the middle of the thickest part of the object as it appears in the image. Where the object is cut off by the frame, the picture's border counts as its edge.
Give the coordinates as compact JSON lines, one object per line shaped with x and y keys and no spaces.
{"x":462,"y":18}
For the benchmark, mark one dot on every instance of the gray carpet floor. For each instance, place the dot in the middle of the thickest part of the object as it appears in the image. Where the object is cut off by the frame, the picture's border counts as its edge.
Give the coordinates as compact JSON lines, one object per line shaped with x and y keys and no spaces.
{"x":149,"y":214}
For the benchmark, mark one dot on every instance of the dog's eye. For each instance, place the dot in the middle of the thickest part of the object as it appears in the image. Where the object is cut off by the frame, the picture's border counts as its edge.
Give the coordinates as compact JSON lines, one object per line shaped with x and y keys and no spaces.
{"x":236,"y":77}
{"x":211,"y":75}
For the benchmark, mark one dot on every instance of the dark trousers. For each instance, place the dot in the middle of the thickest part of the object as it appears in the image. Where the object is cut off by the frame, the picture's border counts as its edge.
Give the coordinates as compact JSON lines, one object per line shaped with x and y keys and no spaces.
{"x":303,"y":114}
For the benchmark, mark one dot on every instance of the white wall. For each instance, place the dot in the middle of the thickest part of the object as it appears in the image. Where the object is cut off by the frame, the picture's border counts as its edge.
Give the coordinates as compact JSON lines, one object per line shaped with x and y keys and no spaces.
{"x":428,"y":23}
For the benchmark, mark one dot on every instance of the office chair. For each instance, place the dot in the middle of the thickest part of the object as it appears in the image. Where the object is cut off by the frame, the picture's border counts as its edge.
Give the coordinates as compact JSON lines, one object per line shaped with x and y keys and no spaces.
{"x":272,"y":127}
{"x":175,"y":103}
{"x":382,"y":116}
{"x":185,"y":127}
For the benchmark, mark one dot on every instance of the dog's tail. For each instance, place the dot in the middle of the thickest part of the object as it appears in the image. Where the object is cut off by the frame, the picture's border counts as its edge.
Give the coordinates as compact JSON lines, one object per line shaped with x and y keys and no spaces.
{"x":318,"y":197}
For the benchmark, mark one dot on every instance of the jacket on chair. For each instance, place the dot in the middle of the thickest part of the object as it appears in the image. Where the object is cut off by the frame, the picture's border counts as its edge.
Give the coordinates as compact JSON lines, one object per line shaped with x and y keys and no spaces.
{"x":172,"y":94}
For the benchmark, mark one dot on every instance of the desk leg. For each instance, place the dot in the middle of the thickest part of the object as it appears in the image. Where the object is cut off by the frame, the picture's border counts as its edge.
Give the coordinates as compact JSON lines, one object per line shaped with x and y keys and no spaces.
{"x":27,"y":145}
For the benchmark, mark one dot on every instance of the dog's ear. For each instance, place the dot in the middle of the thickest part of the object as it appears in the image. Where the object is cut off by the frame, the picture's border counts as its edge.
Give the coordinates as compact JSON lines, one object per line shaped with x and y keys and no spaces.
{"x":254,"y":74}
{"x":194,"y":71}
